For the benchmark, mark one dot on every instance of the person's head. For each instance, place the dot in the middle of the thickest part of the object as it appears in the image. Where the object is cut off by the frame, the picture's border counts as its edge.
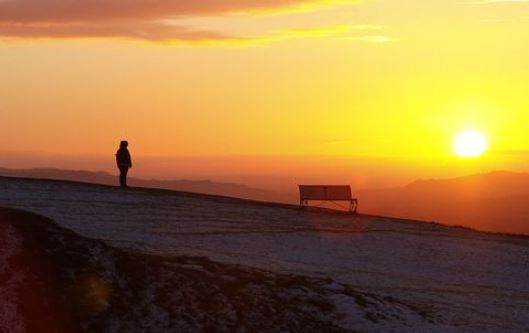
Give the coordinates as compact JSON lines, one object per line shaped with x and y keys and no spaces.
{"x":123,"y":144}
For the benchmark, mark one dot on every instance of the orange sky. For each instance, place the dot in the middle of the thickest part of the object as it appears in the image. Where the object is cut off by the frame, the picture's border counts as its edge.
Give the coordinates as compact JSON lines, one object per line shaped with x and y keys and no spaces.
{"x":327,"y":86}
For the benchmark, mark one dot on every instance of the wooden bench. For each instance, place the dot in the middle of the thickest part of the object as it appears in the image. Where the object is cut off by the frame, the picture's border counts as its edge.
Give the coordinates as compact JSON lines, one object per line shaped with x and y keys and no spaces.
{"x":331,"y":193}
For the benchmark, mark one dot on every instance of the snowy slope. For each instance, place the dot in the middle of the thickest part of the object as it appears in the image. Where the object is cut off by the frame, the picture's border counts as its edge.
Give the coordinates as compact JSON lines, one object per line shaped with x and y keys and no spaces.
{"x":421,"y":277}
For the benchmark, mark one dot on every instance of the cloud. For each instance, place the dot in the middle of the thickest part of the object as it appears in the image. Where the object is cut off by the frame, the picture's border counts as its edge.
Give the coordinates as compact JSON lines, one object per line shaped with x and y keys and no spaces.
{"x":174,"y":35}
{"x":374,"y":39}
{"x":152,"y":20}
{"x":499,"y":1}
{"x":485,"y":2}
{"x":137,"y":30}
{"x":123,"y":10}
{"x":511,"y":152}
{"x":305,"y":33}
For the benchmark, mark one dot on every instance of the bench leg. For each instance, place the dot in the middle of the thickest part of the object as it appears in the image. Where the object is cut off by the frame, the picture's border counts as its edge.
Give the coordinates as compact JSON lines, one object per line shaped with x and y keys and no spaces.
{"x":354,"y":206}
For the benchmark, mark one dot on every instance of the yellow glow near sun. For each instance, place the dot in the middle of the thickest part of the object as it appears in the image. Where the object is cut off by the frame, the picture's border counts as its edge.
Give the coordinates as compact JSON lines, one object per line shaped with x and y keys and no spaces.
{"x":470,"y":143}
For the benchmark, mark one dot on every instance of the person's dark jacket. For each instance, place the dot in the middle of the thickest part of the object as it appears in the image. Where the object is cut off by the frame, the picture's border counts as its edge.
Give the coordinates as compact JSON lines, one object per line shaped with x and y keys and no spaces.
{"x":123,"y":159}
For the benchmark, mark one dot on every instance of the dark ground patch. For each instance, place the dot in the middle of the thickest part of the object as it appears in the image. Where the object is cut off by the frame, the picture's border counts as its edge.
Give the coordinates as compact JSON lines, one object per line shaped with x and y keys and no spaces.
{"x":76,"y":284}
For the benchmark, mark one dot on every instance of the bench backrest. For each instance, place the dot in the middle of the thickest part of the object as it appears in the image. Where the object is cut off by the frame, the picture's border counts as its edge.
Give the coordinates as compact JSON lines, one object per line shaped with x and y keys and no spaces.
{"x":325,"y":192}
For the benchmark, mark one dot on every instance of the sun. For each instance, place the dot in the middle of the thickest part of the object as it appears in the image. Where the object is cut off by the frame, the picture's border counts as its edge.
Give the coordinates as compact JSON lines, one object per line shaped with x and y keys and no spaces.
{"x":470,"y":143}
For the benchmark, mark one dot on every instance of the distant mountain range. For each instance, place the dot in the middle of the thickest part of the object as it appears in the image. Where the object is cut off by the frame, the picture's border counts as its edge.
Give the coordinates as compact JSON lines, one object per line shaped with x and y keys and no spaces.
{"x":197,"y":186}
{"x":497,"y":201}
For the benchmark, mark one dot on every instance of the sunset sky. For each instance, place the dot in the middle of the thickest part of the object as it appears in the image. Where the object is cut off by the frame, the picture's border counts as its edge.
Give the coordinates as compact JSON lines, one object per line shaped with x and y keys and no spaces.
{"x":220,"y":88}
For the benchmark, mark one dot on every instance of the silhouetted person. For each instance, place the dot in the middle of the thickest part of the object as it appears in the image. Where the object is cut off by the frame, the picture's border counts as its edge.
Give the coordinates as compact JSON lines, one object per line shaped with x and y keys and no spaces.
{"x":124,"y":162}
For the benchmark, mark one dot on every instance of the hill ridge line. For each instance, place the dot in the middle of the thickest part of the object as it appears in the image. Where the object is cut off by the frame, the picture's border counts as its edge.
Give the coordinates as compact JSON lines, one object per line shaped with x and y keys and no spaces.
{"x":311,"y":210}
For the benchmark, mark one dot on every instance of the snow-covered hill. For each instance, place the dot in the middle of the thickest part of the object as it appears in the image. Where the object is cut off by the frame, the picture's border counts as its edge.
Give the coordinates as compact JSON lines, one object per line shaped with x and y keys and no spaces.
{"x":380,"y":275}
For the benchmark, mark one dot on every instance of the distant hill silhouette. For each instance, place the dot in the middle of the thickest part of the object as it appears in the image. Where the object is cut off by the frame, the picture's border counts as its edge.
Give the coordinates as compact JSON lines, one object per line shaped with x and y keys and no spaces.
{"x":198,"y":186}
{"x":497,"y":201}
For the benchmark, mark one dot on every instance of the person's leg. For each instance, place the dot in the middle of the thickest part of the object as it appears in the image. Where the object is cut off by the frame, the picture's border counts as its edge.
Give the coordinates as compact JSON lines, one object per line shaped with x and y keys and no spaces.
{"x":123,"y":176}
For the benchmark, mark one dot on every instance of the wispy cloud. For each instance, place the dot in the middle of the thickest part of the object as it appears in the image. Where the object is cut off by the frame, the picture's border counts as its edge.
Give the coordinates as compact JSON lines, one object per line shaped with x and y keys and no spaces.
{"x":511,"y":152}
{"x":141,"y":30}
{"x":375,"y":39}
{"x":119,"y":10}
{"x":499,"y":1}
{"x":303,"y":33}
{"x":153,"y":20}
{"x":484,"y":2}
